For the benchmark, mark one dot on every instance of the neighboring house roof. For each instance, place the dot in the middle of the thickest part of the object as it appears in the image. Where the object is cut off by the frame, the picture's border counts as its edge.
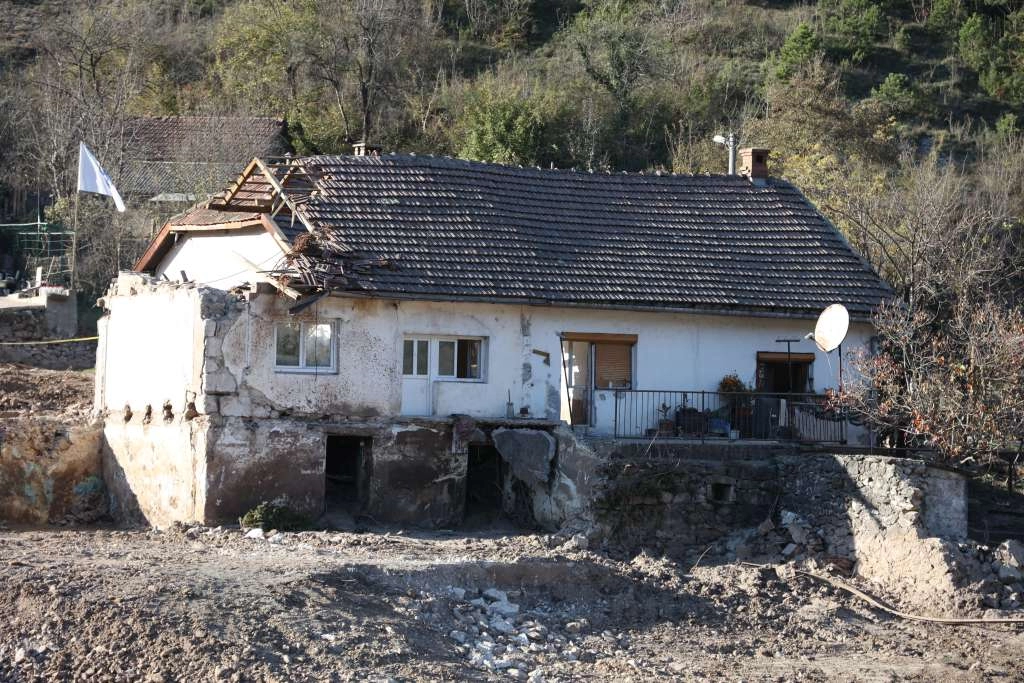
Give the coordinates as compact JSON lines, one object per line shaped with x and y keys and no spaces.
{"x":441,"y":228}
{"x":176,"y":158}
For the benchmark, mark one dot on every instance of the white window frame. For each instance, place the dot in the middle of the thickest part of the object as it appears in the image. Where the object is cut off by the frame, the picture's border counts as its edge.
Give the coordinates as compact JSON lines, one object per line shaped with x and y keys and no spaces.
{"x":415,"y":355}
{"x":433,"y":355}
{"x":302,"y":368}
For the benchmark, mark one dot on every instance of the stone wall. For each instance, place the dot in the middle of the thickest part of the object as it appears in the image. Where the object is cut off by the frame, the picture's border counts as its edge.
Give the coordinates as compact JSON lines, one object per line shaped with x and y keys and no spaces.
{"x":50,"y":472}
{"x":47,"y":316}
{"x":896,"y":521}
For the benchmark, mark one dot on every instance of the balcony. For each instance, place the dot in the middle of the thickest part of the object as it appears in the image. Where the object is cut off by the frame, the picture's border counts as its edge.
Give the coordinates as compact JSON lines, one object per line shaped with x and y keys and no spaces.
{"x":707,"y":415}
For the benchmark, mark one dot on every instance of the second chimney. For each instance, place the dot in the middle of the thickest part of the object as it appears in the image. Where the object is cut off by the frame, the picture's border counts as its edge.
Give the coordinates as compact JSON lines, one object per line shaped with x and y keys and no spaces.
{"x":754,"y":164}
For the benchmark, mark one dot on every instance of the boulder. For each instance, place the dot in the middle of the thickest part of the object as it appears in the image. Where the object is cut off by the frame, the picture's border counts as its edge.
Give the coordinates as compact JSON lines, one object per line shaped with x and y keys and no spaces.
{"x":528,"y":452}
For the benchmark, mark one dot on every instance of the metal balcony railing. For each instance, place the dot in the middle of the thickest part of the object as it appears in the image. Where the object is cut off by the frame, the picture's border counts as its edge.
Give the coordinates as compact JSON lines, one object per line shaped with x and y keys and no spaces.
{"x":807,"y":418}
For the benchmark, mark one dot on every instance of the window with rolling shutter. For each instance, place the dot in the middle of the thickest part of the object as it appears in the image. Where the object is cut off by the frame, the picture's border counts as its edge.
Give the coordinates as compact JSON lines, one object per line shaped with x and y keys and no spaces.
{"x":613,"y":365}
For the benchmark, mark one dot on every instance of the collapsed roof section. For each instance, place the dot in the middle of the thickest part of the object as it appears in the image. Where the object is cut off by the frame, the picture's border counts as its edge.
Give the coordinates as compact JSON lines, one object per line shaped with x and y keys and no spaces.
{"x":447,"y":229}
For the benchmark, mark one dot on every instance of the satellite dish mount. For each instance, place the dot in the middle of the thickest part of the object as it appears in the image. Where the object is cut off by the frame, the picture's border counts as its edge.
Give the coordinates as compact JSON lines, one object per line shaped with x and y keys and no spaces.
{"x":830,"y":331}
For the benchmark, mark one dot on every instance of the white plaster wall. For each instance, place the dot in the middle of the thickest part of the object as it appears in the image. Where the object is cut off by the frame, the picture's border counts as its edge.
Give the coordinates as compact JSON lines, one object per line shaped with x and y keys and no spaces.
{"x":150,"y":342}
{"x":216,"y":259}
{"x":674,"y":352}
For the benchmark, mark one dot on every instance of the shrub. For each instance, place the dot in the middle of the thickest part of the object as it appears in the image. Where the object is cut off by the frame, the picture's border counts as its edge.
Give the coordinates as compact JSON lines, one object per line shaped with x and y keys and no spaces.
{"x":854,"y":25}
{"x":897,"y":93}
{"x":269,"y":516}
{"x":801,"y":46}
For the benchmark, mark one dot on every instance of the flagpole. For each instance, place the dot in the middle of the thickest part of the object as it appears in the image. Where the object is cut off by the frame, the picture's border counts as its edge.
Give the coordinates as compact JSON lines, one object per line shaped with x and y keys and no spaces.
{"x":74,"y":245}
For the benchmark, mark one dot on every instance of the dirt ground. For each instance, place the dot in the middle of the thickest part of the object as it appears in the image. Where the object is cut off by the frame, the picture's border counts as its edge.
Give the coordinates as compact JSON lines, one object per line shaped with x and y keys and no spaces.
{"x":213,"y":604}
{"x":33,"y":391}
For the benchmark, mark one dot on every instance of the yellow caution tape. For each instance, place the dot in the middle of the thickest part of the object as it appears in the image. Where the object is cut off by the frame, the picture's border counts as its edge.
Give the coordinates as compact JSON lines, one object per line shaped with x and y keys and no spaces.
{"x":49,"y":341}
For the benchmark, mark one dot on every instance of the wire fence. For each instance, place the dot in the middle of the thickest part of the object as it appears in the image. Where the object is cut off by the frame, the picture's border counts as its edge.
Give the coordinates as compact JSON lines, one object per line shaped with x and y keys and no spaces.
{"x":38,"y":246}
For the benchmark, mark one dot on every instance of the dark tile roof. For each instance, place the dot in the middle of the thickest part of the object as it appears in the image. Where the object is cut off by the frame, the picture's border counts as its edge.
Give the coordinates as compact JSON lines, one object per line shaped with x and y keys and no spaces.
{"x":192,"y":179}
{"x":448,"y":228}
{"x":194,"y":155}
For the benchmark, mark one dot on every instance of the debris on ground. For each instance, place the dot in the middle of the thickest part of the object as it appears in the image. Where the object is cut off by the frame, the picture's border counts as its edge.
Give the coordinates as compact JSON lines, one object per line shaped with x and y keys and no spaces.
{"x":233,"y":604}
{"x":33,"y":391}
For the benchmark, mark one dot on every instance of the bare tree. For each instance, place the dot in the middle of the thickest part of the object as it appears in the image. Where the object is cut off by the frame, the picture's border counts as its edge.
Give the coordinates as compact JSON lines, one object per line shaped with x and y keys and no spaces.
{"x":360,"y":44}
{"x":949,"y":368}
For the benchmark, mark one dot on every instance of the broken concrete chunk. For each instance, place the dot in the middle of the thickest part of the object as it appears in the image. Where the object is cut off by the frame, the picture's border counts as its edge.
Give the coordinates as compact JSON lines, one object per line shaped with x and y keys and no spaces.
{"x":496,"y":595}
{"x":529,"y":452}
{"x":254,"y":533}
{"x":1011,"y":553}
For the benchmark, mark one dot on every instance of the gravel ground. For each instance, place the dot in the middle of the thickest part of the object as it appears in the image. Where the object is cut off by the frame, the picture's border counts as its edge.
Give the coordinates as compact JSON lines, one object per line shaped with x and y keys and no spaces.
{"x":205,"y":605}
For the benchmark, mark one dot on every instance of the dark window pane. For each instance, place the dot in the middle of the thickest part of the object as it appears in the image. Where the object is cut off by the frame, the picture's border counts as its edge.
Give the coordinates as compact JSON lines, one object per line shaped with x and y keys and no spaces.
{"x":446,"y":358}
{"x":287,"y":345}
{"x":469,"y":359}
{"x":407,"y":356}
{"x":422,"y":356}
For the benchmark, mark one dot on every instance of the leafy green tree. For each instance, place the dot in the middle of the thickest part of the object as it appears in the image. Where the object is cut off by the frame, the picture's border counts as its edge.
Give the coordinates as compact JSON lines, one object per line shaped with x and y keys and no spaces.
{"x":996,"y":51}
{"x":617,"y":46}
{"x":854,"y":25}
{"x":800,"y":48}
{"x":502,"y":128}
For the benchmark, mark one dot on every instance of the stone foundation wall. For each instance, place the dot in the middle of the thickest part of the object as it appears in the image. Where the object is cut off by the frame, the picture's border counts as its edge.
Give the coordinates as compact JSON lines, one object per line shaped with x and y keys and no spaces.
{"x":50,"y":472}
{"x":896,"y":521}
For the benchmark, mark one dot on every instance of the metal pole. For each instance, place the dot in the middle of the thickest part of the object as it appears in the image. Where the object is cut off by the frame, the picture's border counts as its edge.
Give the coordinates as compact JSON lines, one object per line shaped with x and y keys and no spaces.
{"x":74,"y":247}
{"x":840,"y":368}
{"x":731,"y":143}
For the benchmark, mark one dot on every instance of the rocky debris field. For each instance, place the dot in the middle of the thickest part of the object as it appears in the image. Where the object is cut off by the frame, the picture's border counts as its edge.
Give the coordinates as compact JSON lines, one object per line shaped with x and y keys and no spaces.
{"x":27,"y":391}
{"x":228,"y":604}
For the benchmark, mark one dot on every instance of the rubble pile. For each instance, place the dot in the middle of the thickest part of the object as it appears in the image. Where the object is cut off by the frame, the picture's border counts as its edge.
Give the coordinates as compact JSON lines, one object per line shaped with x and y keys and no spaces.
{"x":996,"y":574}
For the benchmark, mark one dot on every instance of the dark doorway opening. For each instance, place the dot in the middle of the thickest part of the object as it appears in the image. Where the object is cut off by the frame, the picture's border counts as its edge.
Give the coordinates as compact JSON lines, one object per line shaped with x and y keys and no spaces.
{"x":343,"y":470}
{"x":484,"y":484}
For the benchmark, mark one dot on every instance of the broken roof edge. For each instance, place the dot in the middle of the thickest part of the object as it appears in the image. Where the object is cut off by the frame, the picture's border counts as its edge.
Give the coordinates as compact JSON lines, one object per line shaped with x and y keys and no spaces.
{"x":737,"y":312}
{"x":163,"y":241}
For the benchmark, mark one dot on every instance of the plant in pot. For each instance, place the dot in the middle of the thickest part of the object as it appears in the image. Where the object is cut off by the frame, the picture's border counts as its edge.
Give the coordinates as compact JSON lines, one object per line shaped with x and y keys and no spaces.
{"x":666,"y":424}
{"x":735,"y":396}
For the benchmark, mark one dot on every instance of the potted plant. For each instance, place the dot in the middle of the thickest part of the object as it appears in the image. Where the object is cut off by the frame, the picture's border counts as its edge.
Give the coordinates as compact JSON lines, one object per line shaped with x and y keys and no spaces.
{"x":666,"y":424}
{"x":735,"y":397}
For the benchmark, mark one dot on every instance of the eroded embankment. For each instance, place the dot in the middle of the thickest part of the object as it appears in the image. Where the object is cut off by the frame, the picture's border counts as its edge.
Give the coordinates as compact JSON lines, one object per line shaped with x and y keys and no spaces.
{"x":50,"y":471}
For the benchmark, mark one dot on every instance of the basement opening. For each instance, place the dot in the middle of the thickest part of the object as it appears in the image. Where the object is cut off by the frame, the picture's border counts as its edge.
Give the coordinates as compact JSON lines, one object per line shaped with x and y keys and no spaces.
{"x":346,"y":458}
{"x":483,"y":486}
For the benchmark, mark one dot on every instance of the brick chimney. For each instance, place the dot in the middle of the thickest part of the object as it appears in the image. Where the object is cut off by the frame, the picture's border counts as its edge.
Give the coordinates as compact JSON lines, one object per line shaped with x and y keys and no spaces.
{"x":365,"y":149}
{"x":754,"y":164}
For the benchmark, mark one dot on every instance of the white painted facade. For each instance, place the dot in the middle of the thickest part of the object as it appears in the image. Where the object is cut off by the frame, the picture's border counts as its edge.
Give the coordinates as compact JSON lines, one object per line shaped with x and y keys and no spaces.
{"x":521,"y":358}
{"x":221,"y":259}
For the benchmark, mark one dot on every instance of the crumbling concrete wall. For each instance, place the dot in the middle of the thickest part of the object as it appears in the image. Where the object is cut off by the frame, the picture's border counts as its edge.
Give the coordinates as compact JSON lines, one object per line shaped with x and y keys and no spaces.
{"x":155,"y":470}
{"x":417,"y":476}
{"x":251,"y":461}
{"x":50,"y":472}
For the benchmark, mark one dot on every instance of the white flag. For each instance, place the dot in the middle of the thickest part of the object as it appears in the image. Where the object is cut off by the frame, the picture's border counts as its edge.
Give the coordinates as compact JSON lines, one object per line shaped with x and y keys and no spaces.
{"x":92,"y":177}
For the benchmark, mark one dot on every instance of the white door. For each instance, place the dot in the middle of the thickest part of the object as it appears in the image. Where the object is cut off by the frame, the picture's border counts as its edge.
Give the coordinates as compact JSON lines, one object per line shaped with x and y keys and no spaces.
{"x":416,"y":377}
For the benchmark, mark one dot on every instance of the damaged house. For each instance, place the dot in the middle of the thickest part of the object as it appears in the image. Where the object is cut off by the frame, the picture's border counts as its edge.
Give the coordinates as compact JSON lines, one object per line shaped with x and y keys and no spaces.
{"x":413,"y":336}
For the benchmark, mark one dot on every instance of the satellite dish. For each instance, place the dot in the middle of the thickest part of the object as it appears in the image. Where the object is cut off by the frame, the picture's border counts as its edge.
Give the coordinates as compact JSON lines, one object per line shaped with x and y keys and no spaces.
{"x":832,"y":326}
